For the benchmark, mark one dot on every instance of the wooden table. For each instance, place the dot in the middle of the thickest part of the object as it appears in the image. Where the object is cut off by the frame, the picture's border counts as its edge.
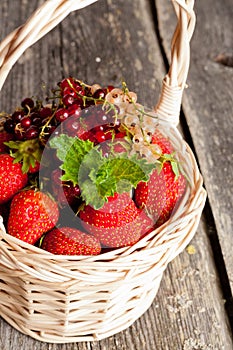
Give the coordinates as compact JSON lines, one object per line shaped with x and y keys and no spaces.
{"x":130,"y":40}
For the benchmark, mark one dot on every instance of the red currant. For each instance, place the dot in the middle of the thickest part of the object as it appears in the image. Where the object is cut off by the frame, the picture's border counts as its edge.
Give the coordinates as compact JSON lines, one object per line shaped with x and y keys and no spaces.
{"x":81,"y":92}
{"x":100,"y":136}
{"x":17,"y":116}
{"x":98,"y":128}
{"x":66,"y":83}
{"x":71,"y":192}
{"x":100,"y":93}
{"x":87,"y":136}
{"x":19,"y":135}
{"x":68,"y":100}
{"x":74,"y":110}
{"x":9,"y":126}
{"x":69,"y":91}
{"x":110,"y":88}
{"x":26,"y":122}
{"x":72,"y":126}
{"x":31,"y":133}
{"x":79,"y":102}
{"x":77,"y":86}
{"x":27,"y":103}
{"x":45,"y":112}
{"x":54,"y":130}
{"x":61,"y":114}
{"x":109,"y":134}
{"x":120,"y":135}
{"x":36,"y":119}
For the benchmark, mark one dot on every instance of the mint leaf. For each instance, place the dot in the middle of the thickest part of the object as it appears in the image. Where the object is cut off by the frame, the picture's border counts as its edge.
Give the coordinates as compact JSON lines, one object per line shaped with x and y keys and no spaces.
{"x":91,"y":162}
{"x":74,"y":158}
{"x":90,"y":194}
{"x":87,"y":178}
{"x":71,"y":150}
{"x":101,"y":177}
{"x":123,"y":186}
{"x":62,"y":144}
{"x":123,"y":173}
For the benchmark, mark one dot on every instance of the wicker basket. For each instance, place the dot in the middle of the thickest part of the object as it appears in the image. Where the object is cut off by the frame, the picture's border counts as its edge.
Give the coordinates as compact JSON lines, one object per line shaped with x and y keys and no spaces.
{"x":64,"y":299}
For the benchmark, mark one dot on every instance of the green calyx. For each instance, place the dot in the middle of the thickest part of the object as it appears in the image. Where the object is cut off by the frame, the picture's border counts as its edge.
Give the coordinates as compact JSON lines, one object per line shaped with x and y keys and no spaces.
{"x":174,"y":163}
{"x":28,"y":152}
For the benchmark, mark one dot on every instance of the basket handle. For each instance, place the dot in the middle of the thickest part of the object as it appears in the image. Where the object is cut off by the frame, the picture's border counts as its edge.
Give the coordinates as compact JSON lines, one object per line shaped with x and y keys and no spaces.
{"x":50,"y":13}
{"x":44,"y":19}
{"x":168,"y":107}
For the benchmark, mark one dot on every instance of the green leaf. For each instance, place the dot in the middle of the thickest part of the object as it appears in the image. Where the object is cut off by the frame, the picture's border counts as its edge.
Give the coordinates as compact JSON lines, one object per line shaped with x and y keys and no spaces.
{"x":101,"y":177}
{"x":91,"y":195}
{"x":62,"y":144}
{"x":123,"y":186}
{"x":131,"y":169}
{"x":87,"y":178}
{"x":73,"y":158}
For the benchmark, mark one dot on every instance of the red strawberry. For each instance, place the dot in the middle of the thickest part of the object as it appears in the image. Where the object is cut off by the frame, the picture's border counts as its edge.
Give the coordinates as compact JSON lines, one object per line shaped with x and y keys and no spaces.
{"x":118,"y":223}
{"x":163,"y":142}
{"x":70,"y":241}
{"x":12,"y":178}
{"x":162,"y":192}
{"x":32,"y":213}
{"x":34,"y":169}
{"x":4,"y":137}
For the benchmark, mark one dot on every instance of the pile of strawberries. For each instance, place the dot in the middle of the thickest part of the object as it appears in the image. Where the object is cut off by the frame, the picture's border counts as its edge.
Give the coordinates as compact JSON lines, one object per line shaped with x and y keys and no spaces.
{"x":87,"y":171}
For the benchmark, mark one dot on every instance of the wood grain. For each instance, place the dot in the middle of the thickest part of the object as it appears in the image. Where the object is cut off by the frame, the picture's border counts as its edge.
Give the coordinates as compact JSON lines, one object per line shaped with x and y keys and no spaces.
{"x":105,"y":43}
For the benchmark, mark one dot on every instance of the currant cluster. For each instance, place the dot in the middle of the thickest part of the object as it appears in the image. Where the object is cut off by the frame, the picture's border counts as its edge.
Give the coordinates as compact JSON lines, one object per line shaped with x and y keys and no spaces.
{"x":26,"y":122}
{"x":82,"y":112}
{"x":34,"y":120}
{"x":75,"y":96}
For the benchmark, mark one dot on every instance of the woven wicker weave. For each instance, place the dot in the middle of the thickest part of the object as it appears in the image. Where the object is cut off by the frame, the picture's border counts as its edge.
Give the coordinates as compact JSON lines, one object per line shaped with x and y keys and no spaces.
{"x":64,"y":299}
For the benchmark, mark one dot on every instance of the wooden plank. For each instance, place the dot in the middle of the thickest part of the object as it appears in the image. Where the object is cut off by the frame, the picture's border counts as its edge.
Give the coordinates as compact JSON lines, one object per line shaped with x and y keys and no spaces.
{"x":188,"y":311}
{"x":208,"y":106}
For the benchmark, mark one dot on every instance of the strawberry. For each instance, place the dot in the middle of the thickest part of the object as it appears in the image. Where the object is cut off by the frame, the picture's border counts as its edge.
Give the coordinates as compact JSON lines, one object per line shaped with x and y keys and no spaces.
{"x":34,"y":169}
{"x":12,"y":178}
{"x":163,"y":142}
{"x":118,"y":223}
{"x":4,"y":137}
{"x":32,"y":213}
{"x":70,"y":241}
{"x":161,"y":194}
